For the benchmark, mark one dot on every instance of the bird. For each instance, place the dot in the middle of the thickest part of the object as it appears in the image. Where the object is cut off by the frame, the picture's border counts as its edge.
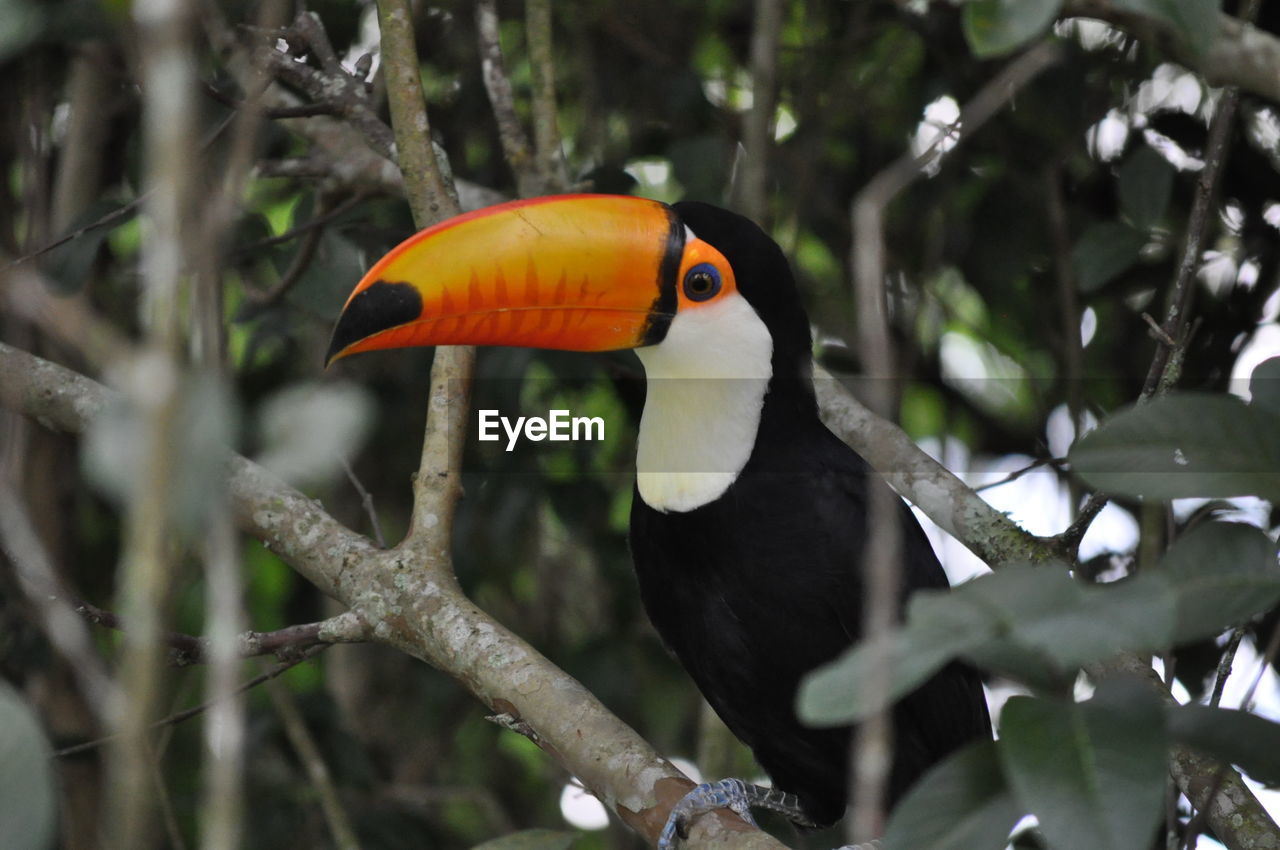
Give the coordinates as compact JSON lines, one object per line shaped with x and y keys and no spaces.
{"x":749,"y":517}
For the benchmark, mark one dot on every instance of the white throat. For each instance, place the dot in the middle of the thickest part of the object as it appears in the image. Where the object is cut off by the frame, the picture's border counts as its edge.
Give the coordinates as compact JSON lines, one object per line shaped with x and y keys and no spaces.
{"x":706,"y":385}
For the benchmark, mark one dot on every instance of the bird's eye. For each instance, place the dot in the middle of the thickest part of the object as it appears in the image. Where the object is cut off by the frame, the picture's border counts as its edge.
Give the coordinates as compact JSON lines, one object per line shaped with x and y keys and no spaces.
{"x":701,"y":282}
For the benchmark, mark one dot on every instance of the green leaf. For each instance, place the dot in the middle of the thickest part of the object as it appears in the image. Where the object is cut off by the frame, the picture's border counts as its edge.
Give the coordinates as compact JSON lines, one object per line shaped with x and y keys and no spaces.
{"x":1196,"y":21}
{"x":1106,"y":250}
{"x":21,"y":23}
{"x":837,"y":693}
{"x":1264,"y":385}
{"x":1040,"y":626}
{"x":1035,"y":624}
{"x":69,"y":264}
{"x":1059,"y":628}
{"x":531,"y":839}
{"x":115,"y":450}
{"x":1145,"y":185}
{"x":308,"y":428}
{"x":1092,"y":773}
{"x":1222,"y":573}
{"x":1238,"y":737}
{"x":27,"y":801}
{"x":996,"y":27}
{"x":963,"y":803}
{"x":1184,"y":445}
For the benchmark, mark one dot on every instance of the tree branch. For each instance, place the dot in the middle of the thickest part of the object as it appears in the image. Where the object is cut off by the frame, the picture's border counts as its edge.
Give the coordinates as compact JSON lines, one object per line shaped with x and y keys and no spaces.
{"x":757,"y":126}
{"x":197,"y":710}
{"x":515,"y":144}
{"x":546,"y":124}
{"x":409,"y":600}
{"x":285,"y":644}
{"x":1241,"y":54}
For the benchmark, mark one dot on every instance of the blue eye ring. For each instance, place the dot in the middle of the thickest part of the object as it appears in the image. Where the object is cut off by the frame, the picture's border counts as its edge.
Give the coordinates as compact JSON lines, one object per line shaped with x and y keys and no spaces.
{"x":702,"y":282}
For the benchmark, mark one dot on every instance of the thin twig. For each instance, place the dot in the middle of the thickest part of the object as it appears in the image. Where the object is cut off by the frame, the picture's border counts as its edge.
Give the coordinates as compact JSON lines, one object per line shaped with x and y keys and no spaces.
{"x":197,"y":710}
{"x":1072,"y":346}
{"x":1197,"y":824}
{"x":1225,"y":663}
{"x":319,"y":220}
{"x":546,"y":128}
{"x":1055,"y":462}
{"x":1068,"y":542}
{"x":1174,"y":334}
{"x":515,"y":145}
{"x":335,"y":814}
{"x":1268,"y":658}
{"x":305,"y":110}
{"x":1158,"y":332}
{"x":366,"y":501}
{"x":125,"y":211}
{"x":39,"y":581}
{"x":285,"y":644}
{"x":165,"y":802}
{"x":297,"y":268}
{"x":330,"y":84}
{"x":873,"y":745}
{"x":757,"y":129}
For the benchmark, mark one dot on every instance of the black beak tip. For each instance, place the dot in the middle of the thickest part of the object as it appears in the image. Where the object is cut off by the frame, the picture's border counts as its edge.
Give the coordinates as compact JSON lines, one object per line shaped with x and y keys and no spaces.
{"x":378,"y":307}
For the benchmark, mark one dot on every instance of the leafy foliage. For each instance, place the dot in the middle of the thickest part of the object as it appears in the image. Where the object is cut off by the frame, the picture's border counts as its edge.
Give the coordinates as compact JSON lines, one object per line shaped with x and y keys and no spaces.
{"x":1031,"y":214}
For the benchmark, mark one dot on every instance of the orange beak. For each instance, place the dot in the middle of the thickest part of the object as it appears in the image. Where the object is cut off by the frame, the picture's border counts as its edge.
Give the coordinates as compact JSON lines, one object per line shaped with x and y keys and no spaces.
{"x":575,"y":272}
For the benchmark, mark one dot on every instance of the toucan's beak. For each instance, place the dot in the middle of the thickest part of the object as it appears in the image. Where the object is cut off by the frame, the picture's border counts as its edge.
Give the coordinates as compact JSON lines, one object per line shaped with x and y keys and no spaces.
{"x":575,"y":272}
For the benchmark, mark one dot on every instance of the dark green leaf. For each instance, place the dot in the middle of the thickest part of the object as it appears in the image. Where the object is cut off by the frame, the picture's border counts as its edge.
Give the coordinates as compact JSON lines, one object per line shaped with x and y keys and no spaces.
{"x":1035,"y":624}
{"x":1146,"y":183}
{"x":961,"y":804}
{"x":116,"y":443}
{"x":531,"y":839}
{"x":307,"y":429}
{"x":324,"y":286}
{"x":1092,"y":773}
{"x":1184,"y":445}
{"x":1223,"y":573}
{"x":1237,"y":737}
{"x":996,"y":27}
{"x":1106,"y":250}
{"x":1196,"y":21}
{"x":838,"y":692}
{"x":1062,"y":629}
{"x":69,"y":264}
{"x":27,"y":801}
{"x":21,"y":23}
{"x":1264,"y":385}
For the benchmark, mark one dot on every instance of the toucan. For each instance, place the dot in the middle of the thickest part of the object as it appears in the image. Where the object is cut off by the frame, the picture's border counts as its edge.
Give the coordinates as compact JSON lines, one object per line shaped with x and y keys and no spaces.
{"x":749,"y":517}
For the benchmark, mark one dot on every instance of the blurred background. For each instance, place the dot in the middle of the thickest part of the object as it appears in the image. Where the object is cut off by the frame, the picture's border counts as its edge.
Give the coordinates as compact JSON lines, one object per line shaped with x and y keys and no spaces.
{"x":1021,"y":267}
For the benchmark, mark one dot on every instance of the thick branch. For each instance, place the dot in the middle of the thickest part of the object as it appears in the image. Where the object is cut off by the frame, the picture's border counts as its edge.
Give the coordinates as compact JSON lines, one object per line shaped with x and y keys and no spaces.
{"x":1241,"y":54}
{"x":929,"y":485}
{"x":410,"y":602}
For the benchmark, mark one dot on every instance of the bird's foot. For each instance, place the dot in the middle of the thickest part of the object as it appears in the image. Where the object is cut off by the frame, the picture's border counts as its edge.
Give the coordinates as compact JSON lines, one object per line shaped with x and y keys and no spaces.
{"x":733,"y":794}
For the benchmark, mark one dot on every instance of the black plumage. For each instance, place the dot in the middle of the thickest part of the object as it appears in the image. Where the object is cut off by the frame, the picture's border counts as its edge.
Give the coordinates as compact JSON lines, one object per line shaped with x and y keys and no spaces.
{"x":761,"y":585}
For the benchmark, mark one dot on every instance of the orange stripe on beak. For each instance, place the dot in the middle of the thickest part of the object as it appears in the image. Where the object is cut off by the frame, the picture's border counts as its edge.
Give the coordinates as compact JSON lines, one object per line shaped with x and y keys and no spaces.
{"x":575,"y":272}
